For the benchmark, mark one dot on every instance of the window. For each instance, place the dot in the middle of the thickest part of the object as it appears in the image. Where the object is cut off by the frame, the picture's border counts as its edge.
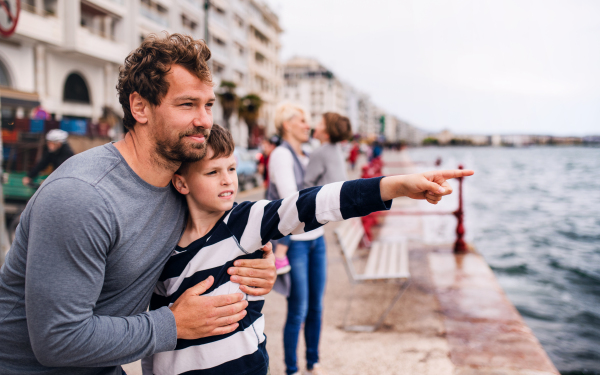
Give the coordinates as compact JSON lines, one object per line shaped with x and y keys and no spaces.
{"x":260,"y":58}
{"x":218,"y":68}
{"x":239,"y":48}
{"x":76,"y":90}
{"x":97,"y":21}
{"x":239,"y":76}
{"x":238,"y":20}
{"x":188,"y":24}
{"x":4,"y":77}
{"x":218,"y":41}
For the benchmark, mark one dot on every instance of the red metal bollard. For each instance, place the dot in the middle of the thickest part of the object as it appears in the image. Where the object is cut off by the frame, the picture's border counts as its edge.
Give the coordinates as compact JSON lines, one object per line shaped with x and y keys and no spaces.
{"x":460,"y":246}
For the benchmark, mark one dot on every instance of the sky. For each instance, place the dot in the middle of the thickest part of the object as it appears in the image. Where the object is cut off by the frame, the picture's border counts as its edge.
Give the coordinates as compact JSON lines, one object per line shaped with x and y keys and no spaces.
{"x":470,"y":66}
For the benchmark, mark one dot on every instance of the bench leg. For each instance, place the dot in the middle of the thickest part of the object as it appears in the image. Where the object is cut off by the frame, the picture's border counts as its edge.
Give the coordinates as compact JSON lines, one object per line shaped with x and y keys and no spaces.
{"x":376,"y":326}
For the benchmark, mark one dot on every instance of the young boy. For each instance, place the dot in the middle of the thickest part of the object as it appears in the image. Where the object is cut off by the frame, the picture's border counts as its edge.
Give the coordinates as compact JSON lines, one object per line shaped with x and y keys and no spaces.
{"x":219,"y":231}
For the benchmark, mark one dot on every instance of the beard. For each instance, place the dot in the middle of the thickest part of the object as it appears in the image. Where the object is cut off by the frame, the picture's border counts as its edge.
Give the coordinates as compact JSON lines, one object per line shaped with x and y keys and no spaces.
{"x":178,"y":151}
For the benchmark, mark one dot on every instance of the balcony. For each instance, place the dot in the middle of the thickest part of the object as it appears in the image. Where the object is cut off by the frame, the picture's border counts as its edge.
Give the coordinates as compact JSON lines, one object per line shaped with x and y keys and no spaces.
{"x":92,"y":43}
{"x":116,"y":7}
{"x":40,"y":24}
{"x":156,"y":17}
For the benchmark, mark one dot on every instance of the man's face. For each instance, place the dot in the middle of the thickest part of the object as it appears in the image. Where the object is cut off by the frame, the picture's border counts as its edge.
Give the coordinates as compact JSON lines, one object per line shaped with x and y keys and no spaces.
{"x":182,"y":122}
{"x":212,"y":184}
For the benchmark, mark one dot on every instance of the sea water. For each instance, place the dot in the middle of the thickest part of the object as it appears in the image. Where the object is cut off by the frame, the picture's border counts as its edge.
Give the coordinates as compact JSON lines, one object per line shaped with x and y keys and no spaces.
{"x":534,"y":214}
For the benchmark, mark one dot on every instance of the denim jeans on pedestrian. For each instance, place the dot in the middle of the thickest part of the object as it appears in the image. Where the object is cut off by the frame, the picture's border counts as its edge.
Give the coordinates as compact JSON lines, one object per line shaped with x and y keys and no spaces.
{"x":305,"y":303}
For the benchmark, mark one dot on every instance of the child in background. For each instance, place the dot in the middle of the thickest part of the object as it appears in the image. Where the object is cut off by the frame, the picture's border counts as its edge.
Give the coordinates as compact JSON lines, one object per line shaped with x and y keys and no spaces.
{"x":219,"y":231}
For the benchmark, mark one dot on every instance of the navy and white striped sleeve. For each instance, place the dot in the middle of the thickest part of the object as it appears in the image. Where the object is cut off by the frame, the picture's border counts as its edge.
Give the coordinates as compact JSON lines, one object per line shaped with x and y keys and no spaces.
{"x":254,"y":224}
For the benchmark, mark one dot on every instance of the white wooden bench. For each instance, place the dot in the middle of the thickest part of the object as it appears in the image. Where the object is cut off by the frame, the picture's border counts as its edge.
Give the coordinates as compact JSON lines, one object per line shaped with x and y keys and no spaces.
{"x":386,"y":261}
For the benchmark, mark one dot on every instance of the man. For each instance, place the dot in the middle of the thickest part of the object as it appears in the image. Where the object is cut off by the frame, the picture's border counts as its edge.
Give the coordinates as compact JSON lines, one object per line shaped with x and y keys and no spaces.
{"x":93,"y":240}
{"x":56,"y":152}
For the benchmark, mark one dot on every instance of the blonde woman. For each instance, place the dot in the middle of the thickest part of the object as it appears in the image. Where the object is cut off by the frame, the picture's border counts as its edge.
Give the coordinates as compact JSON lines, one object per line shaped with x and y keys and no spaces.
{"x":307,"y":253}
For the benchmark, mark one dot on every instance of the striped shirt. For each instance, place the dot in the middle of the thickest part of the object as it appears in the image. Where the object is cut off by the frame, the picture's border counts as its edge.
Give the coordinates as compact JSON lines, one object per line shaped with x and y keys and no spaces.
{"x":239,"y":234}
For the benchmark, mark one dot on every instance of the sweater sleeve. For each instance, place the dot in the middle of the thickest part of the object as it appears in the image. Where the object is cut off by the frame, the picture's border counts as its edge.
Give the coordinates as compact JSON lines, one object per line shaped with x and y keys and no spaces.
{"x":41,"y":165}
{"x":64,"y":278}
{"x":255,"y":223}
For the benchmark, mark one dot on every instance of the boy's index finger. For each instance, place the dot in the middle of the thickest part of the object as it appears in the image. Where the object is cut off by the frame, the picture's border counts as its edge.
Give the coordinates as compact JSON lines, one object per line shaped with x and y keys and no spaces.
{"x":455,"y":173}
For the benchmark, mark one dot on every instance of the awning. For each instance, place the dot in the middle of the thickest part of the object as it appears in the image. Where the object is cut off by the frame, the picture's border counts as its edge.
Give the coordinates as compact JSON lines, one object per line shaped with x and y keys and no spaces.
{"x":14,"y":98}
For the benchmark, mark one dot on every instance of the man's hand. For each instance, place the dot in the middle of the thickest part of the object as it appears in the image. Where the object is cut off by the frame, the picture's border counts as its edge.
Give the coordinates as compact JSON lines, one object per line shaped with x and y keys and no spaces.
{"x":199,"y":316}
{"x":26,"y":181}
{"x":431,"y":186}
{"x":255,"y":276}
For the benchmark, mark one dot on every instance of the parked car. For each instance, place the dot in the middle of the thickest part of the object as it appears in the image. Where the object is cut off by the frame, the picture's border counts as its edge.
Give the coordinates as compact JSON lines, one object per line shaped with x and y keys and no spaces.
{"x":246,"y":168}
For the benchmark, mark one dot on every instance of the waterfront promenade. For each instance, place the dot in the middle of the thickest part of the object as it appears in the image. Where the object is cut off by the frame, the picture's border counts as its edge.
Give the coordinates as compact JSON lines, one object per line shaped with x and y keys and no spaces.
{"x":454,"y":319}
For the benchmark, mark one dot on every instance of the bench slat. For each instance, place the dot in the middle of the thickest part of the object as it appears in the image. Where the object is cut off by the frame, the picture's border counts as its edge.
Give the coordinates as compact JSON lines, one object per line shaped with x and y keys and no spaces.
{"x":353,"y":240}
{"x":393,"y":263}
{"x":373,"y":257}
{"x":383,"y":259}
{"x":404,"y":258}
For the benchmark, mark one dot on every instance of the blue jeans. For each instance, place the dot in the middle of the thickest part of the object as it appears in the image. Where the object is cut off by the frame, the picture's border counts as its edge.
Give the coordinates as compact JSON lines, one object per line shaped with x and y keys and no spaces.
{"x":305,"y":303}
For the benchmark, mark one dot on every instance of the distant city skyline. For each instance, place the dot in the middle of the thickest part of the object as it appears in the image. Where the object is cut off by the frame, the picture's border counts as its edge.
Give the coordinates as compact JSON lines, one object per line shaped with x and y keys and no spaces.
{"x":473,"y":67}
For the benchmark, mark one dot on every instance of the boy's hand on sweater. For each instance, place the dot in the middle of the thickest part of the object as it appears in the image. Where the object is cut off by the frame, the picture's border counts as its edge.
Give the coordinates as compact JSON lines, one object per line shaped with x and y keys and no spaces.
{"x":198,"y":316}
{"x":255,"y":276}
{"x":431,"y":186}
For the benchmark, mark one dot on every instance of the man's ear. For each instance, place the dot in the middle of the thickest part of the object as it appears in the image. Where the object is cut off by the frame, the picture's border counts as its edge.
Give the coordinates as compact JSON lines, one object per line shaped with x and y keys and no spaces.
{"x":180,"y":184}
{"x":139,"y":108}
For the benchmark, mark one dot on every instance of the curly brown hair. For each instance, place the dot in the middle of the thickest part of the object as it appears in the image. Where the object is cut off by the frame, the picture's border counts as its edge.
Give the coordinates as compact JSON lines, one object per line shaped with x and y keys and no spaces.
{"x":146,"y":67}
{"x":337,"y":127}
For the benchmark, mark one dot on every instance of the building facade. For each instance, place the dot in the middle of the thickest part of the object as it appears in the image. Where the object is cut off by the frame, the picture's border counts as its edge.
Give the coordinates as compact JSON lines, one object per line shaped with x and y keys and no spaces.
{"x":315,"y":88}
{"x":65,"y":54}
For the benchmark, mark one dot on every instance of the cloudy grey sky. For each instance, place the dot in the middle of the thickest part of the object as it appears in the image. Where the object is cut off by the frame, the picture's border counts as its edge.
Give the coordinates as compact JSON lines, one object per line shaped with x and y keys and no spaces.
{"x":472,"y":66}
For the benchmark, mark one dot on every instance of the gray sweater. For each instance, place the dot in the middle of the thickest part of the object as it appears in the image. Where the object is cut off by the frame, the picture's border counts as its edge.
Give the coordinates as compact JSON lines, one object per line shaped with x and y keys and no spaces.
{"x":78,"y":278}
{"x":327,"y":164}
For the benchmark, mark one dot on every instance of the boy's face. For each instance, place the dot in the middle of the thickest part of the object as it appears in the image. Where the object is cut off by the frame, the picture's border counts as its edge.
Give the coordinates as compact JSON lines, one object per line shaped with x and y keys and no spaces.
{"x":212,"y":183}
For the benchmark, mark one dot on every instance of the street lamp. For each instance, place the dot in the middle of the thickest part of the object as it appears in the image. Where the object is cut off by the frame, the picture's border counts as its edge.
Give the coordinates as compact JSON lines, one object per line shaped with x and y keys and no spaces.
{"x":206,"y":8}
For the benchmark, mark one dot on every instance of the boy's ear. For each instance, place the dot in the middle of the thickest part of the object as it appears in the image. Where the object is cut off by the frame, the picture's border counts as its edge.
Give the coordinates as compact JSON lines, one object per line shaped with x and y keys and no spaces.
{"x":180,"y":184}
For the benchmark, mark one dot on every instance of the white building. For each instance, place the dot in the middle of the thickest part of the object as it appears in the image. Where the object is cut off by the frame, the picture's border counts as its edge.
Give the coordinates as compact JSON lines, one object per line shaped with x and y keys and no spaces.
{"x":65,"y":54}
{"x":315,"y":87}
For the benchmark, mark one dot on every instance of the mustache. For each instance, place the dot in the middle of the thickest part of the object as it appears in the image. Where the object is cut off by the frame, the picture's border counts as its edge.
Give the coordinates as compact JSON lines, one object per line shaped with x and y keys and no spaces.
{"x":195,"y":131}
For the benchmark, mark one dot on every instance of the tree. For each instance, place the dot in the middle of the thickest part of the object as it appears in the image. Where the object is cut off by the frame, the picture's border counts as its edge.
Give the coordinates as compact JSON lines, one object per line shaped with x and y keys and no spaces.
{"x":249,"y":110}
{"x":228,"y":100}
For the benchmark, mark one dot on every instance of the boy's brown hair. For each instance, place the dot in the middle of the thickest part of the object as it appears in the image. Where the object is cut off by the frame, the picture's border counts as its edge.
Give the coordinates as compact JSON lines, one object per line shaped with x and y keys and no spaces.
{"x":337,"y":127}
{"x":220,"y":142}
{"x":146,"y":67}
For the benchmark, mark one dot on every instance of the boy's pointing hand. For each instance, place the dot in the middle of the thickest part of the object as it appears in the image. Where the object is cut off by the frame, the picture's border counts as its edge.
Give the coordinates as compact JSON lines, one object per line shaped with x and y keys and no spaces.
{"x":431,"y":186}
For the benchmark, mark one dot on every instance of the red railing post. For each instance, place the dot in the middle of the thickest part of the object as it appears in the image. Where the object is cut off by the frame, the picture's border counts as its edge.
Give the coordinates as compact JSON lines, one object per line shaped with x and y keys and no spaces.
{"x":460,"y":246}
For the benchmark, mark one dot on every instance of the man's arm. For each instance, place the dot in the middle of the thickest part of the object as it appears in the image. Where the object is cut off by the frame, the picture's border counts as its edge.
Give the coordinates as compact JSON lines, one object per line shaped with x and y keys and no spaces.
{"x":41,"y":165}
{"x":70,"y":232}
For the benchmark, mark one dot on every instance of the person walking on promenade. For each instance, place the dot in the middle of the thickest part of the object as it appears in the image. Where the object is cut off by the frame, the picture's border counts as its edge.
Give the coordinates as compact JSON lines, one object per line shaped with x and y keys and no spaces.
{"x":353,"y":156}
{"x":287,"y":170}
{"x":326,"y":163}
{"x":93,"y":240}
{"x":55,"y":153}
